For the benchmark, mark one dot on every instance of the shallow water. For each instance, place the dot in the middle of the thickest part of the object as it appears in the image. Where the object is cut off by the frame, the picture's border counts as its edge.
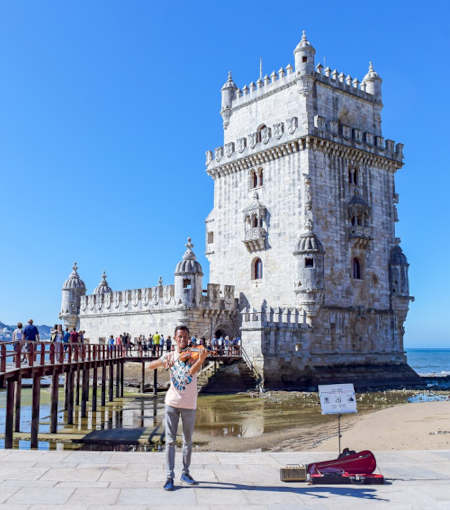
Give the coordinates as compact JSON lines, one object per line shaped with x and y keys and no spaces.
{"x":220,"y":418}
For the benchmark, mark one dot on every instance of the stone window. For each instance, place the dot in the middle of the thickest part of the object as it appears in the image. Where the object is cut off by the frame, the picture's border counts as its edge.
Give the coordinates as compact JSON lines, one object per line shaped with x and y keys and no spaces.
{"x":187,"y":283}
{"x":356,"y":268}
{"x":353,"y":176}
{"x":259,"y":131}
{"x":305,"y":59}
{"x":256,"y":178}
{"x":309,"y":262}
{"x":210,"y":237}
{"x":260,"y":176}
{"x":257,"y":269}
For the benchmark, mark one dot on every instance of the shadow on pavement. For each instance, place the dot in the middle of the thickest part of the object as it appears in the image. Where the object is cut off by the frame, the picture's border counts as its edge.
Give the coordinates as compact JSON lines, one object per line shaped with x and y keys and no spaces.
{"x":318,"y":492}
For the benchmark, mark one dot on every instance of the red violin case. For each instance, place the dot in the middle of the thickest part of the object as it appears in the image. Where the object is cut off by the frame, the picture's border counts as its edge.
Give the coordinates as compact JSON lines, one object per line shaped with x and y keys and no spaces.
{"x":349,"y":467}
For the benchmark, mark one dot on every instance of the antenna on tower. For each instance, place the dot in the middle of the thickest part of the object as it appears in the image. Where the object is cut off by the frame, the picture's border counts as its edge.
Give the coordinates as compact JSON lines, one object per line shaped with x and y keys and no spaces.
{"x":260,"y":68}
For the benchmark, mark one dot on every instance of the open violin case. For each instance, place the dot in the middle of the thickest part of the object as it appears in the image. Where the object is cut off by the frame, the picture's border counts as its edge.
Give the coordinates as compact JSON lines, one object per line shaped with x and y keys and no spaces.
{"x":349,"y":468}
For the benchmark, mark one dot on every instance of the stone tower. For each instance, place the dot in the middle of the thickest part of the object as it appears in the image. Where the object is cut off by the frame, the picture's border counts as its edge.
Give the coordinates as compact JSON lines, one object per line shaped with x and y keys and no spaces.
{"x":188,"y":278}
{"x":72,"y":291}
{"x":304,"y":217}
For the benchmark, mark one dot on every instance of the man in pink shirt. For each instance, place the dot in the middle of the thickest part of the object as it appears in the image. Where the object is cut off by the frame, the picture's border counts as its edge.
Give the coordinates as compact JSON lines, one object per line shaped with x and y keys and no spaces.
{"x":181,"y":400}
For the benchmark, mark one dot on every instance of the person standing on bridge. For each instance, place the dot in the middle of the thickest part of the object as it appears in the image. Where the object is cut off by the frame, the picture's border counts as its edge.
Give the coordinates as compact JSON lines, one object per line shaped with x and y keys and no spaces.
{"x":181,"y":400}
{"x":156,"y":342}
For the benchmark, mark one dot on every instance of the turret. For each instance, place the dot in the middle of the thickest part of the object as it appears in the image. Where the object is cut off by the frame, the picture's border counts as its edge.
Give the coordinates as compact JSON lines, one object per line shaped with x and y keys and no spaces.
{"x":398,"y":273}
{"x":372,"y":82}
{"x":103,"y":287}
{"x":309,"y":283}
{"x":188,"y":278}
{"x":228,"y":93}
{"x":304,"y":56}
{"x":72,"y":291}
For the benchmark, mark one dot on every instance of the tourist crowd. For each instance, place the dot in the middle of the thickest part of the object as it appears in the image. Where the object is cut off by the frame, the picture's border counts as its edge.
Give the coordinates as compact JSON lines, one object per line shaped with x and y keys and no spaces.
{"x":156,"y":343}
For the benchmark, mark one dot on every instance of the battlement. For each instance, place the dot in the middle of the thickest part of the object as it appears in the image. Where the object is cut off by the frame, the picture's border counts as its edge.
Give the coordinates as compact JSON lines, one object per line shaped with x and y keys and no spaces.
{"x":344,"y":82}
{"x":158,"y":298}
{"x":284,"y":132}
{"x":277,"y":80}
{"x":265,"y":317}
{"x":286,"y":77}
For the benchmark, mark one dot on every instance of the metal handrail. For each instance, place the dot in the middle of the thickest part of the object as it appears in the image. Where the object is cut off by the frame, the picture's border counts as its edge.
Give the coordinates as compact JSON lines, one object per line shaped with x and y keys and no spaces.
{"x":253,"y":369}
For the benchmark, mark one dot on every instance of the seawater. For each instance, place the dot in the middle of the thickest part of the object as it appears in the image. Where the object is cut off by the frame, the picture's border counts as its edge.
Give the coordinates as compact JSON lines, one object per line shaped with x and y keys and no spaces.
{"x":431,"y":362}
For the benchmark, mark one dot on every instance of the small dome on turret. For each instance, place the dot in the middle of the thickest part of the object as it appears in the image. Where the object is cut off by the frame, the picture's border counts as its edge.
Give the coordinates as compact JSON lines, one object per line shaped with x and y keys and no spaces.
{"x":74,"y":281}
{"x":189,"y":264}
{"x":371,"y":74}
{"x":229,"y":84}
{"x":309,"y":243}
{"x":398,"y":258}
{"x":372,"y":82}
{"x":103,"y":287}
{"x":304,"y":44}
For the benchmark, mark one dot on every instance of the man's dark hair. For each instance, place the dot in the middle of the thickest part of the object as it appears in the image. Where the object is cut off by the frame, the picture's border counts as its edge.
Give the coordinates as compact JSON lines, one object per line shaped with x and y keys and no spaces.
{"x":181,"y":328}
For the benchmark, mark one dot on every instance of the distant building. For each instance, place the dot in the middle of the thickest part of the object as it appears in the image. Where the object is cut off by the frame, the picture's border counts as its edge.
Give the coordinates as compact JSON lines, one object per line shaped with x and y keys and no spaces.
{"x":301,"y":240}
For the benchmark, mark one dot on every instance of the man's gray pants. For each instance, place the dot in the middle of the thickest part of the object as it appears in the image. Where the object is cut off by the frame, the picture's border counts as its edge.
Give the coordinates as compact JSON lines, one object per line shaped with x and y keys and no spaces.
{"x":172,"y":417}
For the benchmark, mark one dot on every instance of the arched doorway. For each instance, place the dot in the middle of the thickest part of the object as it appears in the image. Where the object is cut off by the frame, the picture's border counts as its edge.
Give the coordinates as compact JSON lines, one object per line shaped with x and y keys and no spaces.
{"x":219,"y":333}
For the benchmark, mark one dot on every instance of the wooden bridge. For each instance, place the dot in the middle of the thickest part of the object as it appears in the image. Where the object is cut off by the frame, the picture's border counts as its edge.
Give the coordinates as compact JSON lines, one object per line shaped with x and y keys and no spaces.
{"x":34,"y":360}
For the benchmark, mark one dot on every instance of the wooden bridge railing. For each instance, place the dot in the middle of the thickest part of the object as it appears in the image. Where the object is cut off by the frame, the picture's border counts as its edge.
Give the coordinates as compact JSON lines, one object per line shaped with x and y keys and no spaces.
{"x":34,"y":360}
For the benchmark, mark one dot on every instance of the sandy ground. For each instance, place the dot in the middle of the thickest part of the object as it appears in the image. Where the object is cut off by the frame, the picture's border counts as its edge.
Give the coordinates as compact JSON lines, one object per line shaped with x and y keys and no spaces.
{"x":420,"y":426}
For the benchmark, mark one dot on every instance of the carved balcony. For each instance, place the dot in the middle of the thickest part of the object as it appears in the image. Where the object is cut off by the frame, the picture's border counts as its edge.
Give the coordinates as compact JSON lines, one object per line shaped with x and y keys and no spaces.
{"x":255,"y":239}
{"x":360,"y":235}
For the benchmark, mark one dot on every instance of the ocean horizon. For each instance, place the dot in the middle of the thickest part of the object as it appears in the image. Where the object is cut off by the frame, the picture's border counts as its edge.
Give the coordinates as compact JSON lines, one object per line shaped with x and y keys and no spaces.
{"x":433,"y":361}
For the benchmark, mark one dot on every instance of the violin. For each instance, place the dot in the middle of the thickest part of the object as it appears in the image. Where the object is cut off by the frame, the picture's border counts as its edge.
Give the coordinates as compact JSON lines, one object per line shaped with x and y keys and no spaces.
{"x":192,"y":354}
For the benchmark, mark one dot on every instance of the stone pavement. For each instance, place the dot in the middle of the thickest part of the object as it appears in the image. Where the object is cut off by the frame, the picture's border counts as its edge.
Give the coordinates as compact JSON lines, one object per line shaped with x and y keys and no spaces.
{"x":64,"y":480}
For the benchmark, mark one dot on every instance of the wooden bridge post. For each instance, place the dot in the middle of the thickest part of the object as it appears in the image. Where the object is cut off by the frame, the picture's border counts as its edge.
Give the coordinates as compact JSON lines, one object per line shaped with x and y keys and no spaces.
{"x":118,"y":379}
{"x":66,"y":390}
{"x":77,"y":391}
{"x":104,"y":384}
{"x":54,"y":402}
{"x":10,"y":386}
{"x":35,"y":405}
{"x":94,"y":384}
{"x":69,"y":379}
{"x":121,"y":378}
{"x":155,"y":382}
{"x":84,"y":392}
{"x":142,"y":377}
{"x":18,"y":403}
{"x":111,"y":380}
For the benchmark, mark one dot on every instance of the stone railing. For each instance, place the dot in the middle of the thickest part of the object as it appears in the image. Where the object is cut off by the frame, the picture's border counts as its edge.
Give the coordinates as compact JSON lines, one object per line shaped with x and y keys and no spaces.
{"x":282,"y":132}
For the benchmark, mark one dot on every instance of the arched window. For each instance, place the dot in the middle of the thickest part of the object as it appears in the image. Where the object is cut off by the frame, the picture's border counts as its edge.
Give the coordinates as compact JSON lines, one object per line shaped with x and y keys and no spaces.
{"x":257,"y":269}
{"x":356,"y":267}
{"x":260,"y":176}
{"x":353,"y":176}
{"x":255,"y":221}
{"x":254,"y":179}
{"x":258,"y":132}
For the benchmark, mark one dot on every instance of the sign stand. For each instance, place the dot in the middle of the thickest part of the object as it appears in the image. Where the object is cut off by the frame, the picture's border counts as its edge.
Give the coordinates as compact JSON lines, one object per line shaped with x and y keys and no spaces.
{"x":337,"y":399}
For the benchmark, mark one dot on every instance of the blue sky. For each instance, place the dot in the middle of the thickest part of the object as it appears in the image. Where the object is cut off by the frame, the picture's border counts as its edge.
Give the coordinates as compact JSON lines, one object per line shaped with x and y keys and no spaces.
{"x":107,"y":108}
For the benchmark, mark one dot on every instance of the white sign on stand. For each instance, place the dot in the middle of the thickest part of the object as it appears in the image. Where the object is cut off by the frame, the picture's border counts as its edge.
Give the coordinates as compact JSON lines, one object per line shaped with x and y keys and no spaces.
{"x":337,"y":399}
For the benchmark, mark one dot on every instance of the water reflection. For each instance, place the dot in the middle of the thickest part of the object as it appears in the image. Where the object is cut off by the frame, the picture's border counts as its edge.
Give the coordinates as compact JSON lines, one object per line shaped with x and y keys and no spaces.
{"x":218,"y":416}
